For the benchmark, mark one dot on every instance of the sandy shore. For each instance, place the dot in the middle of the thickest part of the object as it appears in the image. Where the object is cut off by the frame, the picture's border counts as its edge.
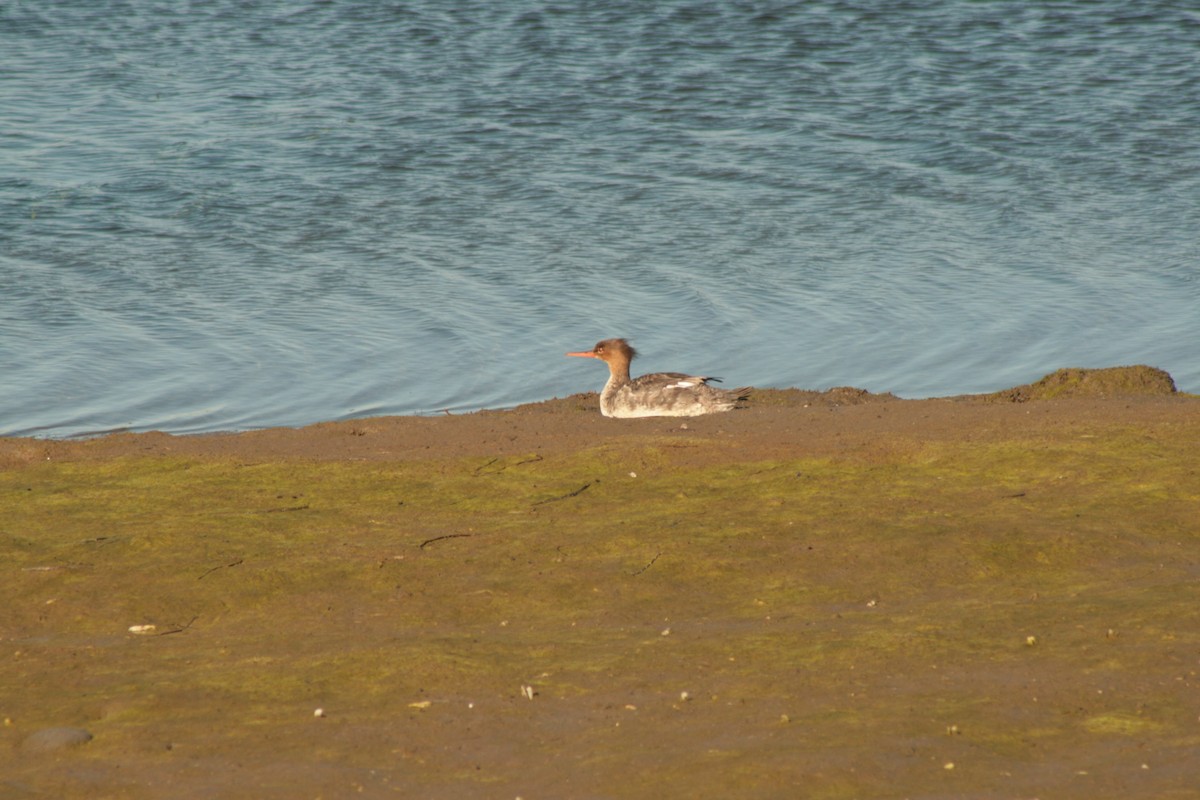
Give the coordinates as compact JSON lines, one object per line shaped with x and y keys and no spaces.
{"x":828,"y":594}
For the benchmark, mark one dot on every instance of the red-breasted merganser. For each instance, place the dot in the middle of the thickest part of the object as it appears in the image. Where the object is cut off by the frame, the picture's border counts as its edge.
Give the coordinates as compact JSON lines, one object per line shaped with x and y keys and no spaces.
{"x":660,"y":394}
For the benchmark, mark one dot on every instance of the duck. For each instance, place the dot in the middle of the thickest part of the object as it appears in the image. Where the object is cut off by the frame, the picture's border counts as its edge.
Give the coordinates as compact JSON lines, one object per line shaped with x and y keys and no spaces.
{"x":659,"y":394}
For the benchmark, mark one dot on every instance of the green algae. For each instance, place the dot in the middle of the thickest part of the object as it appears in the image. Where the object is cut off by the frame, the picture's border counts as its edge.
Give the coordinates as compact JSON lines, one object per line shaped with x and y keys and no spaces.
{"x":1121,"y":724}
{"x":684,"y":627}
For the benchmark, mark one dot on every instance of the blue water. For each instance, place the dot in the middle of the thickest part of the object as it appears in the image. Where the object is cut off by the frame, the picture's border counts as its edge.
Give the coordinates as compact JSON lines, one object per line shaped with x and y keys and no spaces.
{"x":228,"y":215}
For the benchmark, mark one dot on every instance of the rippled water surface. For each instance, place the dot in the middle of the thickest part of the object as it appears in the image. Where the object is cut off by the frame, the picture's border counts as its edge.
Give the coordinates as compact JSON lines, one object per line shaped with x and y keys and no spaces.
{"x":225,"y":215}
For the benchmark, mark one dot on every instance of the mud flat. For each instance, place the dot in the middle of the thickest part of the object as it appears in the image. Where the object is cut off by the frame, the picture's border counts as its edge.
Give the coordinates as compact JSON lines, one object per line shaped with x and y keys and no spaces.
{"x":827,"y":595}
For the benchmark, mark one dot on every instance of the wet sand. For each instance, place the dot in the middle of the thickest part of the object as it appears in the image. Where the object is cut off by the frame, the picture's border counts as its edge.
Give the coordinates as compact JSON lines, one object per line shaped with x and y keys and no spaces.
{"x":828,"y":594}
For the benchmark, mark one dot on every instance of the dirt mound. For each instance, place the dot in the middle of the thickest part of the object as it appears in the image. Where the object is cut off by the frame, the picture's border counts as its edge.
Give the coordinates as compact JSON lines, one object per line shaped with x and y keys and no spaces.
{"x":802,"y":398}
{"x":1076,"y":382}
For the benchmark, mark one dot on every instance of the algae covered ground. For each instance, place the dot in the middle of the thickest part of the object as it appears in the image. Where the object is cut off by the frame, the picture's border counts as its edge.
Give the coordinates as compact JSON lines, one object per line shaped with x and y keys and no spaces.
{"x":671,"y":612}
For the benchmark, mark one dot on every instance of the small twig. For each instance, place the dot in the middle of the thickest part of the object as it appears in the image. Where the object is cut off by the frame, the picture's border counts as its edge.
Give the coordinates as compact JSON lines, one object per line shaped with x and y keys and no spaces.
{"x":289,"y":508}
{"x":481,"y":468}
{"x":219,"y":566}
{"x":648,"y":566}
{"x":447,"y":536}
{"x":565,"y":496}
{"x":180,"y":629}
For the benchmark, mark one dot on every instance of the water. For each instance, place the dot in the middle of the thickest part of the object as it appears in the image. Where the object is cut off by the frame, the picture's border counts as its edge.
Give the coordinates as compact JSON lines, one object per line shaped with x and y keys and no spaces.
{"x":227,"y":215}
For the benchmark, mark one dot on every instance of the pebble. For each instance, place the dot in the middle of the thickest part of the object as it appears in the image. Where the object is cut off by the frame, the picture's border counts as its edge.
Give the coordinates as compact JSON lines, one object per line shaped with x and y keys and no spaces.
{"x":48,"y":740}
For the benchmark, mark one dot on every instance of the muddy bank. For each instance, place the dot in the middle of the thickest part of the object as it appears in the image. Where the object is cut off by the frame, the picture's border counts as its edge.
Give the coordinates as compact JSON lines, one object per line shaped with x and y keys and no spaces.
{"x":829,"y":594}
{"x":778,"y":422}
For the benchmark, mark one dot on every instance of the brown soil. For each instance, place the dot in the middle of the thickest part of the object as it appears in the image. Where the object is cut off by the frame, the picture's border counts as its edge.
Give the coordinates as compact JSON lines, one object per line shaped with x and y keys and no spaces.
{"x":832,"y":594}
{"x":779,"y":422}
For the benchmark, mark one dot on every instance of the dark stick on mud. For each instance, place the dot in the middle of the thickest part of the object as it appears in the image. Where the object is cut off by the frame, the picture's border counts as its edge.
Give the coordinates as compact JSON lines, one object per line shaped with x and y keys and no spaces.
{"x":648,"y":566}
{"x":565,"y":496}
{"x":219,"y":566}
{"x":447,"y":536}
{"x":180,"y":628}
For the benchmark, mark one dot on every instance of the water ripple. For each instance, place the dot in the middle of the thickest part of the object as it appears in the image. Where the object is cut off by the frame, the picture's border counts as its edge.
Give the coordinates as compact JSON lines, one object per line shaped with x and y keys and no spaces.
{"x":225,"y":216}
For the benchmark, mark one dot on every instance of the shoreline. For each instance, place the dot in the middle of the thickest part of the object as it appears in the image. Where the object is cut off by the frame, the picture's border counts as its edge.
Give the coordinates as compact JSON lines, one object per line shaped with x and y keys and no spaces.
{"x":774,"y":418}
{"x":1136,"y":380}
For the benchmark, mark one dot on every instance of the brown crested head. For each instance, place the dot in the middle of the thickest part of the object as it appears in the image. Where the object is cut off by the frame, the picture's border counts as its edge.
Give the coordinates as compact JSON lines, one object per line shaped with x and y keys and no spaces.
{"x":616,"y":349}
{"x":610,"y":350}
